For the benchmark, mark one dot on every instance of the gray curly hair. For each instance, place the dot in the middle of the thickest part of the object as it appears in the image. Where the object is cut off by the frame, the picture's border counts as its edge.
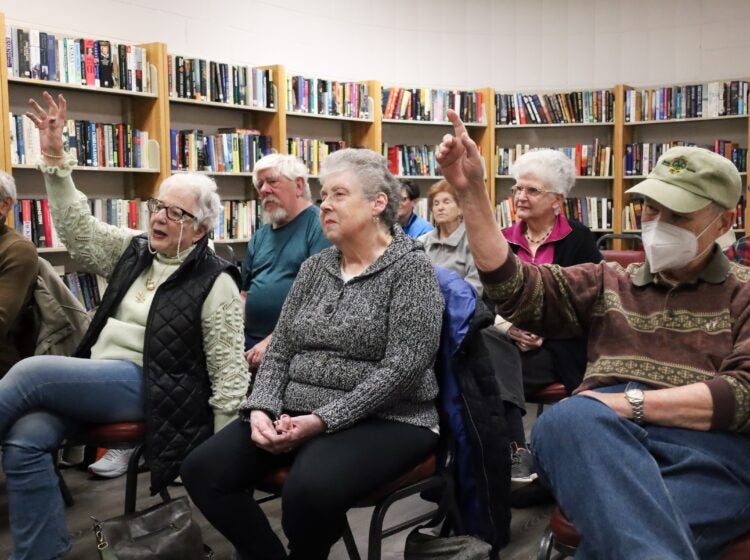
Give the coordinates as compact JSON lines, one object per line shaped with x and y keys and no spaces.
{"x":371,"y":170}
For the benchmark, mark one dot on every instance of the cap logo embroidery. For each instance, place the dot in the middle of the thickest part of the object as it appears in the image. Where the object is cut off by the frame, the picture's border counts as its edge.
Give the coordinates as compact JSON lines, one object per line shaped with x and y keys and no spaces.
{"x":678,"y":165}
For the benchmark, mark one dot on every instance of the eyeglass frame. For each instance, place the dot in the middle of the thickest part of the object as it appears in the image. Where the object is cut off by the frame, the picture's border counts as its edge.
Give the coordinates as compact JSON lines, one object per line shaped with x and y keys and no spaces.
{"x":155,"y":203}
{"x":532,"y":192}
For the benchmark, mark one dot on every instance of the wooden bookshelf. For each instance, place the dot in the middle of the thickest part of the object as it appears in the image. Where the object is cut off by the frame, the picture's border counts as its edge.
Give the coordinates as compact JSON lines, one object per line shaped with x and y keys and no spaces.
{"x":156,"y":112}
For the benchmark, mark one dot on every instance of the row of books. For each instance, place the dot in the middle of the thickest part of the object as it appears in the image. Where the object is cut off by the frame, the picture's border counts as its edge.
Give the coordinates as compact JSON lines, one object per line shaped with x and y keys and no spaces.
{"x":313,"y":151}
{"x":411,"y":160}
{"x":431,"y":105}
{"x":238,"y":219}
{"x":593,"y":212}
{"x":32,"y":218}
{"x":38,"y":55}
{"x":327,"y":97}
{"x":707,"y":100}
{"x":230,"y":150}
{"x":555,"y":108}
{"x":206,"y":80}
{"x":631,"y":215}
{"x":589,"y":160}
{"x":86,"y":287}
{"x":93,"y":144}
{"x":641,"y":158}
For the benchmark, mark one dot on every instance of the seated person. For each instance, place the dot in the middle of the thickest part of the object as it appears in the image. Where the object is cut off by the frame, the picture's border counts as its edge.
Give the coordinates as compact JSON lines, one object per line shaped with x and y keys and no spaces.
{"x":446,"y":244}
{"x":412,"y":224}
{"x":290,"y":235}
{"x":165,"y":346}
{"x":18,"y":272}
{"x":345,"y":394}
{"x":526,"y":363}
{"x":650,"y":459}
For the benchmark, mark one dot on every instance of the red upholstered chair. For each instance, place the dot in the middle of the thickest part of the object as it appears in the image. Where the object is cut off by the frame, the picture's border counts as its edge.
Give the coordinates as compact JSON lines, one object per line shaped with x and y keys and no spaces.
{"x":556,"y":392}
{"x":428,"y":476}
{"x":120,"y":435}
{"x":561,"y":540}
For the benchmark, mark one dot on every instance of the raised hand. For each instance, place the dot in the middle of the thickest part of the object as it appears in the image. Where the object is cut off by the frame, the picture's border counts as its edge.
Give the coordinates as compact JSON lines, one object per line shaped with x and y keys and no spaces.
{"x":459,"y":157}
{"x":50,"y":124}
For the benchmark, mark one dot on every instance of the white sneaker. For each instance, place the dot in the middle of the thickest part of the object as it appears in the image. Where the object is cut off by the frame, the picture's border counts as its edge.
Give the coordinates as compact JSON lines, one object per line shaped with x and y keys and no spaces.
{"x":113,"y":463}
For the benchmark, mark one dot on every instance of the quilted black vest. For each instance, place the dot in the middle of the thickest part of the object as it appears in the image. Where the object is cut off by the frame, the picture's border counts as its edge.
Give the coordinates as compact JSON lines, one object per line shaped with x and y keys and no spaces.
{"x":176,"y":384}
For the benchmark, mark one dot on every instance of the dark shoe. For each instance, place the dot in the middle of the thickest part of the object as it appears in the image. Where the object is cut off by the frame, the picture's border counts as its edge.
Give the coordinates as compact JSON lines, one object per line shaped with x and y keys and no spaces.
{"x":531,"y":495}
{"x":521,"y":465}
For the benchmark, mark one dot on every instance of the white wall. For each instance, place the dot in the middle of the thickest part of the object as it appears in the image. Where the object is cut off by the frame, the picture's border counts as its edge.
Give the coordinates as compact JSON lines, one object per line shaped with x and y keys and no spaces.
{"x":524,"y":44}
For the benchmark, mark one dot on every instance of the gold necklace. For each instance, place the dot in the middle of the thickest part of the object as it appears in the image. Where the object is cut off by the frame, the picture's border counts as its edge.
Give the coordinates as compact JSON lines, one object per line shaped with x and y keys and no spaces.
{"x":537,"y":241}
{"x":140,"y":296}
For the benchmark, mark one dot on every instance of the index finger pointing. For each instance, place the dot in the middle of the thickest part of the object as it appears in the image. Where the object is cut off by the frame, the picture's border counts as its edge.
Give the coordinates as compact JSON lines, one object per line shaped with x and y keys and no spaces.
{"x":458,"y":125}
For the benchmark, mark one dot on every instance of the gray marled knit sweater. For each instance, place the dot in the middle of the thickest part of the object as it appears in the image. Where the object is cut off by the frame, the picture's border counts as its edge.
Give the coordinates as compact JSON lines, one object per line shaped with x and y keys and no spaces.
{"x":348,"y":351}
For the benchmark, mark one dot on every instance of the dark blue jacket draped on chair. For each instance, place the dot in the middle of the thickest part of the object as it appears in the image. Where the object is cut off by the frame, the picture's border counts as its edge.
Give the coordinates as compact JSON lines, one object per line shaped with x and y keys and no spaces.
{"x":471,"y":407}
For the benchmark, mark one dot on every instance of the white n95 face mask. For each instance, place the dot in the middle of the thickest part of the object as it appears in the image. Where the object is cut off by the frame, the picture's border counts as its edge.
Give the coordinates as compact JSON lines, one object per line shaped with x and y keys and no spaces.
{"x":668,"y":246}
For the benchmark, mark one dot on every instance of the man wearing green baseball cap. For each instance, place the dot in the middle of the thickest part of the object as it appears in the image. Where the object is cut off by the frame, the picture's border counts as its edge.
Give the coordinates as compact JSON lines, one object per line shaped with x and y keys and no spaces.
{"x":651,"y":457}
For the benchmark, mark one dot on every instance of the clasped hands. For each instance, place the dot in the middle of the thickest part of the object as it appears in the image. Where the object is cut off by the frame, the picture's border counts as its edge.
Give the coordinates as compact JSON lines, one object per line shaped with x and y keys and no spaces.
{"x":524,"y":339}
{"x":284,"y":434}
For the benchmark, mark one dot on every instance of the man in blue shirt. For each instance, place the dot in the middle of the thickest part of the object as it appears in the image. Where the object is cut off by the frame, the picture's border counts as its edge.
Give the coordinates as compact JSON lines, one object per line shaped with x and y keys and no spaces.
{"x":291,"y":234}
{"x":413,"y":225}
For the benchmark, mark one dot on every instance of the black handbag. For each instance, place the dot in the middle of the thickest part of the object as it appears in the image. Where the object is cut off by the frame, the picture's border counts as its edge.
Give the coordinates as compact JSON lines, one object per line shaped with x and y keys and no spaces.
{"x":423,"y":546}
{"x":165,"y":531}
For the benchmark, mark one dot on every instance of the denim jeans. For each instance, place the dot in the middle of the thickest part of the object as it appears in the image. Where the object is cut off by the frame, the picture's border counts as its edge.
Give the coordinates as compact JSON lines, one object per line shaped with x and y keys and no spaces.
{"x":41,"y":399}
{"x":643,"y":492}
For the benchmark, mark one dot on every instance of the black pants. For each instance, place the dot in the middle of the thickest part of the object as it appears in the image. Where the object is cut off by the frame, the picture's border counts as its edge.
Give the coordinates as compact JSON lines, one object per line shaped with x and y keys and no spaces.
{"x":328,"y":475}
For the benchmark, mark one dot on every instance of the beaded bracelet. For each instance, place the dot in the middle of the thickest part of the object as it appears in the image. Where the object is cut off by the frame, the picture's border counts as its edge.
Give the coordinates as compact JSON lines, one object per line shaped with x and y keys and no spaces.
{"x":48,"y":156}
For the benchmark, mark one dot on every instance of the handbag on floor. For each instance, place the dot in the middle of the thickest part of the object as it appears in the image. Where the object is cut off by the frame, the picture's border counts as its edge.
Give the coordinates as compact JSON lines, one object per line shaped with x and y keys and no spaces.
{"x":165,"y":531}
{"x":423,"y":546}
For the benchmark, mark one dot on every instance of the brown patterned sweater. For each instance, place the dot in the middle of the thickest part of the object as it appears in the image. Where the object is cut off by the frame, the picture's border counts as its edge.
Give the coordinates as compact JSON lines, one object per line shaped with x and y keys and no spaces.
{"x":640,"y":327}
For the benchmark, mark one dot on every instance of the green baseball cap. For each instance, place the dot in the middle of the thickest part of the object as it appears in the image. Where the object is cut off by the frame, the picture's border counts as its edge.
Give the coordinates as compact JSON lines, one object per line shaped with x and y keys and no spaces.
{"x":687,"y":179}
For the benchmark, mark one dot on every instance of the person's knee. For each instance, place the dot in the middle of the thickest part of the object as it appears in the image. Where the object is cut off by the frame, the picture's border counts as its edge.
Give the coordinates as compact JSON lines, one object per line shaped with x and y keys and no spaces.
{"x":573,"y":417}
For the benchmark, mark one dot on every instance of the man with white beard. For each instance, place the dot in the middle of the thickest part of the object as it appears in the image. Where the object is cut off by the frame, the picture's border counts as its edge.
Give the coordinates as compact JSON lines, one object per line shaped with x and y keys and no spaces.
{"x":291,"y":233}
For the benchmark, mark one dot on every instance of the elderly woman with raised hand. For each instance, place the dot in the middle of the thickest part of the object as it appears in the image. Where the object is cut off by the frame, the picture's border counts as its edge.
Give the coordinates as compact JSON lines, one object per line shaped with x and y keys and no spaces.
{"x":18,"y":271}
{"x":541,"y":235}
{"x":165,"y":346}
{"x":345,"y":394}
{"x":446,"y":245}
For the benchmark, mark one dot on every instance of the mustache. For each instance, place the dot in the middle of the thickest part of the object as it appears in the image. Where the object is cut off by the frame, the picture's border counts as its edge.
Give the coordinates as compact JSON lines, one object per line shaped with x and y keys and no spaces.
{"x":270,"y":198}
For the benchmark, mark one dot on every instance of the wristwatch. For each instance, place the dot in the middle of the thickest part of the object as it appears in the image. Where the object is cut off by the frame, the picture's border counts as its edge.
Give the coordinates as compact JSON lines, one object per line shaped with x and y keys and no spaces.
{"x":636,"y":397}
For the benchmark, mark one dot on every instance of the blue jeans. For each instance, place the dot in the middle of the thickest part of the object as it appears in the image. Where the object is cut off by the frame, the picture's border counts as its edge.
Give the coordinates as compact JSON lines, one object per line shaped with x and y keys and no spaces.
{"x":643,"y":492}
{"x":41,"y":400}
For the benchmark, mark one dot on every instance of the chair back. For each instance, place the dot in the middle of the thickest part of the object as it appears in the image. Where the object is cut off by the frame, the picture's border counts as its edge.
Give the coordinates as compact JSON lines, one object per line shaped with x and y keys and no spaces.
{"x":623,"y":256}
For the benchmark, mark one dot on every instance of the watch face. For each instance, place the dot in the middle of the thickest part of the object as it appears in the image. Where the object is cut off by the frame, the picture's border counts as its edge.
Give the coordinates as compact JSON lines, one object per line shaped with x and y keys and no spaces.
{"x":635,"y":394}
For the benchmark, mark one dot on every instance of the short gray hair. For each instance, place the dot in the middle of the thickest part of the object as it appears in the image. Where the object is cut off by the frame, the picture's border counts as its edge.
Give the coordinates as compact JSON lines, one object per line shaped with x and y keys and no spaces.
{"x":289,"y":166}
{"x":206,"y":197}
{"x":552,"y":167}
{"x":371,"y":170}
{"x":7,"y":187}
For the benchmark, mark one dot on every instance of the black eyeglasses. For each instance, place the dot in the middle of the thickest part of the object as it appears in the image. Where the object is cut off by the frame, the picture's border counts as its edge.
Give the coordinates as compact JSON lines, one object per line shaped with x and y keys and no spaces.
{"x":174,"y":213}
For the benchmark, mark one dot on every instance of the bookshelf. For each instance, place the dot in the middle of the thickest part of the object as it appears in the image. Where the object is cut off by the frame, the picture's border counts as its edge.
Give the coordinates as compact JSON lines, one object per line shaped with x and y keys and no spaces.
{"x":670,"y":117}
{"x":157,"y":112}
{"x":419,"y":136}
{"x":581,"y":124}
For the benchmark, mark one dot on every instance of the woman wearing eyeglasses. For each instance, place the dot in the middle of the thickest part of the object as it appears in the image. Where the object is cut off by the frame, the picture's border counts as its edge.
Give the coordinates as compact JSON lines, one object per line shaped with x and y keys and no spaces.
{"x":542,"y":234}
{"x":165,"y":346}
{"x":446,"y":245}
